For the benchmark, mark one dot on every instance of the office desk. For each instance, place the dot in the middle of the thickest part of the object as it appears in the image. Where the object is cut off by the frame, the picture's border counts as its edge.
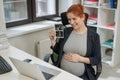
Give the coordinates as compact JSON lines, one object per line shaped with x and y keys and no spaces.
{"x":21,"y":55}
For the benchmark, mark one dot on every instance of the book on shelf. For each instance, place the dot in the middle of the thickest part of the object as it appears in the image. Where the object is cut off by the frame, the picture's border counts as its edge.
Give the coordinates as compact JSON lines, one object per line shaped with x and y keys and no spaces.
{"x":112,"y":25}
{"x":92,"y":19}
{"x":110,"y":4}
{"x":108,"y":43}
{"x":91,"y":2}
{"x":92,"y":22}
{"x":113,"y":3}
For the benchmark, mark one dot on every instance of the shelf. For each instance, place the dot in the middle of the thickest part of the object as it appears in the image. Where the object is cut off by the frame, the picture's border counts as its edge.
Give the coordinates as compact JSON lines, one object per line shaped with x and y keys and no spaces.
{"x":107,"y":57}
{"x":106,"y":21}
{"x":108,"y":43}
{"x":102,"y":7}
{"x":107,"y":60}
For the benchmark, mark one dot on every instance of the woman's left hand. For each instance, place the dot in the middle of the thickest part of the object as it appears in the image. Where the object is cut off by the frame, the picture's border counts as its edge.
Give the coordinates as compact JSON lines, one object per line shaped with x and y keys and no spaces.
{"x":73,"y":57}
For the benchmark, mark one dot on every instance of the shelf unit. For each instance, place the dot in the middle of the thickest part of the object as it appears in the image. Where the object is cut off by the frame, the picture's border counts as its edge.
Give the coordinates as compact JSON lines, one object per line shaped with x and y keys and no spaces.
{"x":106,"y":21}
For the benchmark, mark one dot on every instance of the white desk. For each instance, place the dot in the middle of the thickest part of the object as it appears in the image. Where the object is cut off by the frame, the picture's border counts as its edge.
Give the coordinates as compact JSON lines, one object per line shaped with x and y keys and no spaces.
{"x":14,"y":75}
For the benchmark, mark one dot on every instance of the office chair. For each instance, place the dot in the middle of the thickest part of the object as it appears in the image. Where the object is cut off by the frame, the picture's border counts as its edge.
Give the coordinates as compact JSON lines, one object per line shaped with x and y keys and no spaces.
{"x":53,"y":56}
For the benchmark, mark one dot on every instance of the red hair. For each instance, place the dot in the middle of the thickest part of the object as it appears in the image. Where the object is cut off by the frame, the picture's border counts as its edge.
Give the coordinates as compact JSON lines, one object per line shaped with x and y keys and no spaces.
{"x":76,"y":9}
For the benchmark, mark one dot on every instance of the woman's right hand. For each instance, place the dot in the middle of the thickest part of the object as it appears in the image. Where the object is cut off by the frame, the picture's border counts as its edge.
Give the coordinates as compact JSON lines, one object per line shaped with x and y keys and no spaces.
{"x":52,"y":35}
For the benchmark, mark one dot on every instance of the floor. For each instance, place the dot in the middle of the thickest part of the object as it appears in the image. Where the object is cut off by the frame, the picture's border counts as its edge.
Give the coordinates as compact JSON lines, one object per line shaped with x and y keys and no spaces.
{"x":110,"y":73}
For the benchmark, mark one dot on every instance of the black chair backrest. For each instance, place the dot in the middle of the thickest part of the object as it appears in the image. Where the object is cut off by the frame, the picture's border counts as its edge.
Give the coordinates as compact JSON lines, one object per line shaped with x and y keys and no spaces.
{"x":65,"y":20}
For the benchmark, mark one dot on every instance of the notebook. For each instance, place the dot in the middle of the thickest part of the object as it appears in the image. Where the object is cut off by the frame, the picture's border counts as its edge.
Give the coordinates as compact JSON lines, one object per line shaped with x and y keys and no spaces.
{"x":35,"y":71}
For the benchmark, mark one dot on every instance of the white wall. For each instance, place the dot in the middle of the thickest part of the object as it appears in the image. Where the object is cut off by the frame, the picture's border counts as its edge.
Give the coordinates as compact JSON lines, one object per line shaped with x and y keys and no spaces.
{"x":2,"y":20}
{"x":65,"y":4}
{"x":28,"y":42}
{"x":3,"y":38}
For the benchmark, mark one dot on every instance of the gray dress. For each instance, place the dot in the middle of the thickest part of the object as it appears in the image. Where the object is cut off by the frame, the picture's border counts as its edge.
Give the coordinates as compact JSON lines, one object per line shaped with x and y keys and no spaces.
{"x":76,"y":43}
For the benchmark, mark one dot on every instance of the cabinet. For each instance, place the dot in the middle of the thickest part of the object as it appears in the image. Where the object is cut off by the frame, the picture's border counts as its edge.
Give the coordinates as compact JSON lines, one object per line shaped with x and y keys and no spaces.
{"x":103,"y":15}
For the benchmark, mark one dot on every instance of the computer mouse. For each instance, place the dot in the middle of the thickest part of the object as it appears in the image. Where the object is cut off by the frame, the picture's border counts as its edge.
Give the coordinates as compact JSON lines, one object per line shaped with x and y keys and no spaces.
{"x":27,"y":60}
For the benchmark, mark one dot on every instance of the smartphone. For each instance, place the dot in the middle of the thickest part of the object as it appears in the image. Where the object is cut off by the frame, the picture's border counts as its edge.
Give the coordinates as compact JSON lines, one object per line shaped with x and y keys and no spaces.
{"x":59,"y":30}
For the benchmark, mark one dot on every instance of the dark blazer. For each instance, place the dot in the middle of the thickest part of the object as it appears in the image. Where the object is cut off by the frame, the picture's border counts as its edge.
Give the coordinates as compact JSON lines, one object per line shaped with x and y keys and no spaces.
{"x":93,"y":50}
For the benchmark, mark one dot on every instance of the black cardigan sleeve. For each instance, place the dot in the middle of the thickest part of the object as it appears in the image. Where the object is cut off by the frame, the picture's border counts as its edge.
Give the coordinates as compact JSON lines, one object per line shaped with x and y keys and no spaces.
{"x":96,"y":51}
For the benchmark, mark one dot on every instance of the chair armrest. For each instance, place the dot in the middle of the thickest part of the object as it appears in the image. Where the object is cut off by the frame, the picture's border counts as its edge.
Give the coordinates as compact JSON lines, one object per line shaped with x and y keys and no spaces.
{"x":98,"y":70}
{"x":47,"y":57}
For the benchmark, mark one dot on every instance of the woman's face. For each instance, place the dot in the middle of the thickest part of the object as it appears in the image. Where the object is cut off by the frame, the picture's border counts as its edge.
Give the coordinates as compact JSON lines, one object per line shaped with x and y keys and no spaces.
{"x":75,"y":21}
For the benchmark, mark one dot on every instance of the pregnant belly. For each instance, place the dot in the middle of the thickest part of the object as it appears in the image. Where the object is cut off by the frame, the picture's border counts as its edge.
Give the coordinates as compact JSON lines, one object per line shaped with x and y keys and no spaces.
{"x":72,"y":67}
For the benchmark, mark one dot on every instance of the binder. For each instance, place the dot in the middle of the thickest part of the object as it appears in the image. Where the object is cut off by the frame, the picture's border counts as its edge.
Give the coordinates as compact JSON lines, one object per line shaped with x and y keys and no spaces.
{"x":112,"y":4}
